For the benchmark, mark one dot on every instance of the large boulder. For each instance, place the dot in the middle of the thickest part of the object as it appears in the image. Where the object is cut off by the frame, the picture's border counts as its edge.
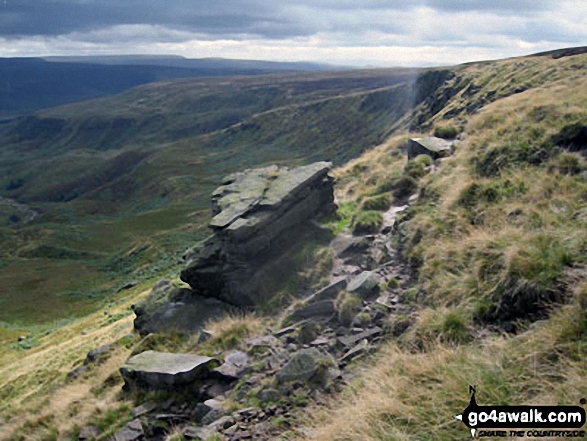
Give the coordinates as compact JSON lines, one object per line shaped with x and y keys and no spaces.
{"x":254,"y":214}
{"x":431,"y":146}
{"x":162,"y":370}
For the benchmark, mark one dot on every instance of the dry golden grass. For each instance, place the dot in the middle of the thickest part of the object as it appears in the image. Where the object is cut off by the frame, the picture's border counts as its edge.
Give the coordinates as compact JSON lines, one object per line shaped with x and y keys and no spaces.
{"x":375,"y":167}
{"x":530,"y":230}
{"x":40,"y":393}
{"x":229,"y":331}
{"x":405,"y":396}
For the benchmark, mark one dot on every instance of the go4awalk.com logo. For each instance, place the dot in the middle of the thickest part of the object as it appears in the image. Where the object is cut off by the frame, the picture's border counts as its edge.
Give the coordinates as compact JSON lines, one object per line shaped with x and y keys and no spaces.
{"x":523,"y":421}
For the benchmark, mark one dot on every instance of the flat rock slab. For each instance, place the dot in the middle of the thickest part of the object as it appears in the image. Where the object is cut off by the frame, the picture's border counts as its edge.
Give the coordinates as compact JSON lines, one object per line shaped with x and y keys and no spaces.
{"x":361,"y":348}
{"x":285,"y":331}
{"x":430,"y":145}
{"x":318,"y":310}
{"x":143,"y":409}
{"x":162,"y":370}
{"x":131,"y":432}
{"x":237,"y":202}
{"x":328,"y":292}
{"x":352,"y":340}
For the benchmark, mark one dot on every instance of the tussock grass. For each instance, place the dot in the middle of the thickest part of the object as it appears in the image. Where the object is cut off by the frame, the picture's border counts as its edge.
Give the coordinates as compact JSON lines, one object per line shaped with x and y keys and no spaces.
{"x":37,"y":402}
{"x":498,"y":235}
{"x":228,"y":332}
{"x":405,"y":395}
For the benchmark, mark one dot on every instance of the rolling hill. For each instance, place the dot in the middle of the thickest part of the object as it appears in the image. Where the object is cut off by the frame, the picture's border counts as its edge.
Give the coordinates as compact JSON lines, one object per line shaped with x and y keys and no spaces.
{"x":117,"y":186}
{"x":30,"y":84}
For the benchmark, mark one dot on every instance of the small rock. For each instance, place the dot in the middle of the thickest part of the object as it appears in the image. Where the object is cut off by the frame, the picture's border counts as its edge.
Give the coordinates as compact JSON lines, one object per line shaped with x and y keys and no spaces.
{"x":319,"y":310}
{"x":204,"y":336}
{"x":231,"y":430}
{"x":223,"y":423}
{"x":131,"y":432}
{"x":200,"y":411}
{"x":308,"y":332}
{"x":385,"y":301}
{"x":353,"y":339}
{"x":320,"y":341}
{"x":95,"y":354}
{"x":305,"y":365}
{"x":169,"y":417}
{"x":432,"y":146}
{"x":241,"y":435}
{"x":359,"y":349}
{"x":262,"y":342}
{"x":235,"y":365}
{"x":284,"y":331}
{"x":77,"y":372}
{"x":329,"y":292}
{"x":211,"y":411}
{"x":269,"y":396}
{"x":143,"y":409}
{"x":88,"y":432}
{"x":215,"y":390}
{"x":127,"y":286}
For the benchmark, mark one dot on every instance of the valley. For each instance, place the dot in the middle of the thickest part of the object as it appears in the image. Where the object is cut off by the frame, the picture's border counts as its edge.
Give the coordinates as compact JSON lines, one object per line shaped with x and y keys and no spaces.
{"x":122,"y":183}
{"x":479,"y":249}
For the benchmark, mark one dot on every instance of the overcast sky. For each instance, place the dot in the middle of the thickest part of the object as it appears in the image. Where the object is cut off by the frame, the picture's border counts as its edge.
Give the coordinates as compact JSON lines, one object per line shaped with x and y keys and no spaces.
{"x":349,"y":32}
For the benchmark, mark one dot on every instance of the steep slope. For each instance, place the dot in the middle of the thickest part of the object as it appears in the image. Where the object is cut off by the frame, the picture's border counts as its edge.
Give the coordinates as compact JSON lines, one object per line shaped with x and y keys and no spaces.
{"x":497,"y":238}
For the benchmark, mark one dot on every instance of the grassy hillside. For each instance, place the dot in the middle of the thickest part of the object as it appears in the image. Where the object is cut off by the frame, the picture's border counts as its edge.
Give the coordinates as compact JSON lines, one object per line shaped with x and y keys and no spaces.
{"x":498,"y":238}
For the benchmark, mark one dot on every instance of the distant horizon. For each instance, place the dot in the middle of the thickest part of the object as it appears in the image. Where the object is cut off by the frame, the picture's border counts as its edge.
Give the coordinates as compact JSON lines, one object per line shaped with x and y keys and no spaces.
{"x":370,"y":33}
{"x":277,"y":61}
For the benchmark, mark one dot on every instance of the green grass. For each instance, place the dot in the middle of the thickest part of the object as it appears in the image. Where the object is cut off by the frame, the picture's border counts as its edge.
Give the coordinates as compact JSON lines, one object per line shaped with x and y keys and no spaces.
{"x":446,"y":132}
{"x":367,"y":222}
{"x":381,"y":202}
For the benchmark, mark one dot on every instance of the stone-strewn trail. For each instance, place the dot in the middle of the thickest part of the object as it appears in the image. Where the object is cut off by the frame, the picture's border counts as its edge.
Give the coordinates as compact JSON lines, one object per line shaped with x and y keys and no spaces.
{"x":254,"y":392}
{"x":305,"y":360}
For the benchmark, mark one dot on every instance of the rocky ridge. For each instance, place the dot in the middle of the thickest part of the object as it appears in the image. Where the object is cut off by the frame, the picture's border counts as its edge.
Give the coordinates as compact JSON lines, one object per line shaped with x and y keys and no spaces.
{"x":271,"y":376}
{"x":310,"y":355}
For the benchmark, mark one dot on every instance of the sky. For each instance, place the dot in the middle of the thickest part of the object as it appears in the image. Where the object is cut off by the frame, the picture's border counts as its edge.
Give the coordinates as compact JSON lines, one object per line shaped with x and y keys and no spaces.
{"x":344,"y":32}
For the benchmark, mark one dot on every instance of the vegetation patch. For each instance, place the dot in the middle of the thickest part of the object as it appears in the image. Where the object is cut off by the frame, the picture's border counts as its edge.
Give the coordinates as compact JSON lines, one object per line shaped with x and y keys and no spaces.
{"x":367,"y":222}
{"x":377,"y":203}
{"x":446,"y":132}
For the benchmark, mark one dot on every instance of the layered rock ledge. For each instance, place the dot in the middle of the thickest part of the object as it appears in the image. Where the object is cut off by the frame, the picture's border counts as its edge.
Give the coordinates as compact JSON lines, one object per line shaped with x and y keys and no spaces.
{"x":258,"y":215}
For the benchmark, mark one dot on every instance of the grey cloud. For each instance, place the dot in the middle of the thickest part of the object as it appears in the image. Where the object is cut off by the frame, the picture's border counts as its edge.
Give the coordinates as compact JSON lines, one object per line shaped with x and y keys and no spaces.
{"x":263,"y":18}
